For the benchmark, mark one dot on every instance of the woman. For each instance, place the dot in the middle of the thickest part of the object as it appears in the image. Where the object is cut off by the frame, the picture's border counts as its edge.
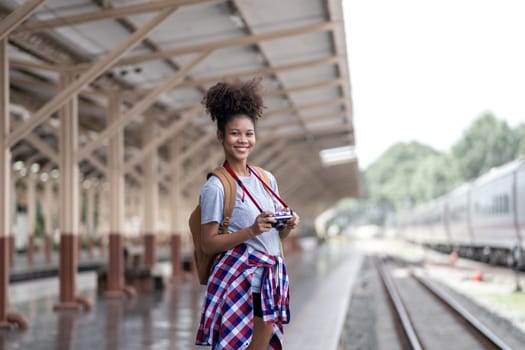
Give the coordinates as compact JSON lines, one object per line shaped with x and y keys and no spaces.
{"x":246,"y":301}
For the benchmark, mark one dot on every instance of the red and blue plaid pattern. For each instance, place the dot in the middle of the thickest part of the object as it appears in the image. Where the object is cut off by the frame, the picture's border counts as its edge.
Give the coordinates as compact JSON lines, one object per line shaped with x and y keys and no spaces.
{"x":227,"y":313}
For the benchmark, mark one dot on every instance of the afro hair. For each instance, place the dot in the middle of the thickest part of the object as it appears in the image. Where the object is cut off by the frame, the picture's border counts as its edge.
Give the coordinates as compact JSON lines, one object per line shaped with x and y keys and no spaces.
{"x":226,"y":100}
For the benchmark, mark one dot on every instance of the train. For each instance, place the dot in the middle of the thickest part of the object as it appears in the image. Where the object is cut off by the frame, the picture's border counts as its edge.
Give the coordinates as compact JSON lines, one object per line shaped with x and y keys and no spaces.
{"x":483,"y":219}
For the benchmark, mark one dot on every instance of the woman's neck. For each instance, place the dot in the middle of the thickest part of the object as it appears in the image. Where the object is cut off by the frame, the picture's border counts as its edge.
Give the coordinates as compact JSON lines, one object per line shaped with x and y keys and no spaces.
{"x":239,"y":167}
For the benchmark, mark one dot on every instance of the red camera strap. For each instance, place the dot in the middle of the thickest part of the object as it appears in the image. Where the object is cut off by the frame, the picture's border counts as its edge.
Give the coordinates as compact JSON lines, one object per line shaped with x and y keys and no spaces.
{"x":245,"y":190}
{"x":268,"y":187}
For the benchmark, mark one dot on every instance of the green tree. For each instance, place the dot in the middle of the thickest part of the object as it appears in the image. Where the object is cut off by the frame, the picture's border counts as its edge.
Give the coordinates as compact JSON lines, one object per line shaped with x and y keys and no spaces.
{"x":389,"y":180}
{"x":434,"y":176}
{"x":486,"y":144}
{"x":411,"y":173}
{"x":519,"y":133}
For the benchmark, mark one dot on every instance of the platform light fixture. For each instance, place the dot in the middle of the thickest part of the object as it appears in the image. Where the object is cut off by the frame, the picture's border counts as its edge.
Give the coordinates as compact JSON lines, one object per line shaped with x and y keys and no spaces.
{"x":35,"y":168}
{"x":18,"y":165}
{"x":55,"y":173}
{"x":338,"y":155}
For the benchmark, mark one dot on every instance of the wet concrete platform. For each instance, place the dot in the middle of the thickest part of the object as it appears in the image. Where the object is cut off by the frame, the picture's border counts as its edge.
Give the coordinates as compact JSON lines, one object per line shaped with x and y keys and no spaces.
{"x":321,"y":282}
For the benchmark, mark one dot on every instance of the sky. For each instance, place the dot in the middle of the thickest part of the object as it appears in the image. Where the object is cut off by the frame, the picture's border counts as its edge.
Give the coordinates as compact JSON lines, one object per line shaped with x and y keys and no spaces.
{"x":424,"y":70}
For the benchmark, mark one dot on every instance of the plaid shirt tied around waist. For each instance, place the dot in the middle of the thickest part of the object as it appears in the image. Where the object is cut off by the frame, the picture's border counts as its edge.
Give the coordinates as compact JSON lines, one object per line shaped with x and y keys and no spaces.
{"x":227,"y":312}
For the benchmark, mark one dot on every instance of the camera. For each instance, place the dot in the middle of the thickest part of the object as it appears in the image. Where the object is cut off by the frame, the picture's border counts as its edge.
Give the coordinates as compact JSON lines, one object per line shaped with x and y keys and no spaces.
{"x":282,"y":217}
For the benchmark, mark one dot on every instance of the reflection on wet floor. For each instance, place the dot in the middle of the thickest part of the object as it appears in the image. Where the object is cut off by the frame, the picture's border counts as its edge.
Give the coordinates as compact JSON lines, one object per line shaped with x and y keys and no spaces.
{"x":159,"y":320}
{"x":164,"y":319}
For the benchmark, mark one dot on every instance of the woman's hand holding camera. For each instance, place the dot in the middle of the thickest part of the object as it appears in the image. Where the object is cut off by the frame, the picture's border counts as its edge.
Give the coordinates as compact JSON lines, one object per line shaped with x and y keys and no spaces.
{"x":263,"y":222}
{"x":293,"y":222}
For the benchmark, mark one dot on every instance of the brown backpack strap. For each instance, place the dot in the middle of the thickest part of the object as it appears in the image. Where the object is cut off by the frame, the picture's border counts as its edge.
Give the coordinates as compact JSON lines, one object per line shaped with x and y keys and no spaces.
{"x":230,"y":193}
{"x":262,"y":174}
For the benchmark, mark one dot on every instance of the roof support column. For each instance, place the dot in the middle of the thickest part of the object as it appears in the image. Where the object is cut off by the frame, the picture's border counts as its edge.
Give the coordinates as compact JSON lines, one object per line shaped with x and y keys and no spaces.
{"x":90,"y":217}
{"x":14,"y":212}
{"x":31,"y":215}
{"x":103,"y":215}
{"x":150,"y":189}
{"x":115,"y":272}
{"x":133,"y":197}
{"x":6,"y":318}
{"x":176,"y":209}
{"x":69,"y":201}
{"x":48,"y":219}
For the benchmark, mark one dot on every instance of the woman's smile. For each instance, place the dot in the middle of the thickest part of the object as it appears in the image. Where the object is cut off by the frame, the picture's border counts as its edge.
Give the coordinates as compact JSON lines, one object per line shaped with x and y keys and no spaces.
{"x":239,"y":138}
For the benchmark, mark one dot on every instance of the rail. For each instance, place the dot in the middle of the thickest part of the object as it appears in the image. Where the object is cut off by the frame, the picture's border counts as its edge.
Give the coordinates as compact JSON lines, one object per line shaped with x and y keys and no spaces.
{"x":475,"y":325}
{"x":407,"y":330}
{"x":406,"y":327}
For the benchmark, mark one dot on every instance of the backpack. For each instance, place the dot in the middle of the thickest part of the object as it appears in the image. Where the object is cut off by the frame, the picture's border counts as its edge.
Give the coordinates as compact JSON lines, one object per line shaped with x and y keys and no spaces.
{"x":203,"y":261}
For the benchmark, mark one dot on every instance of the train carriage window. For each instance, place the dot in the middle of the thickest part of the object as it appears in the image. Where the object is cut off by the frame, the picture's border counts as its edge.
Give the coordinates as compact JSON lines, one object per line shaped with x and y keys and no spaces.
{"x":500,"y":205}
{"x":505,"y":205}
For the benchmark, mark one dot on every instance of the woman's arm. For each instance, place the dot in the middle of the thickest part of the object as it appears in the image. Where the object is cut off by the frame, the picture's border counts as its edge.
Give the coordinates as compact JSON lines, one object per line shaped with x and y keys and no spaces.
{"x":213,"y":242}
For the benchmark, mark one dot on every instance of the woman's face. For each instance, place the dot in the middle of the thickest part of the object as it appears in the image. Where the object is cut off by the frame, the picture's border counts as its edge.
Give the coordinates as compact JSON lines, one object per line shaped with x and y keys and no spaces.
{"x":239,"y":138}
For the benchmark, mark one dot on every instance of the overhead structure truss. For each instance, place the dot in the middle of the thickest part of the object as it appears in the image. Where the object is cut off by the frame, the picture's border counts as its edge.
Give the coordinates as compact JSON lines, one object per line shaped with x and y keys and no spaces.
{"x":158,"y":58}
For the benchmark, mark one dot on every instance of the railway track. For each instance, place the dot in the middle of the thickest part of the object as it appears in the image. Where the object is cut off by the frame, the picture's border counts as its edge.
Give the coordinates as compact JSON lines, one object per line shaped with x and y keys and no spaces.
{"x":427,"y":317}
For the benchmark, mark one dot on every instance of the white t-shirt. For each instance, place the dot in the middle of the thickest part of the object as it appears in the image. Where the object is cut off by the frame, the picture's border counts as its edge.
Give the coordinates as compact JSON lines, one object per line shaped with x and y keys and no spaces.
{"x":244,"y":213}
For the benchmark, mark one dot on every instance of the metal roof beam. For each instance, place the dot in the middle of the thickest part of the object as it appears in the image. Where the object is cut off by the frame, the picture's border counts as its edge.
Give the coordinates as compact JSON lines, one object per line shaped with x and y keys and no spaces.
{"x":317,"y":118}
{"x":98,"y":164}
{"x":188,"y":153}
{"x":272,"y":163}
{"x":263,"y":52}
{"x":277,"y":92}
{"x":315,"y":132}
{"x":335,"y":12}
{"x":316,"y":85}
{"x":213,"y":158}
{"x":290,"y":184}
{"x":43,"y":147}
{"x":141,"y":106}
{"x":238,"y":41}
{"x":250,"y":73}
{"x":76,"y":85}
{"x":50,"y":153}
{"x":24,"y":64}
{"x":102,"y":14}
{"x":9,"y":23}
{"x":266,"y":154}
{"x":318,"y":104}
{"x":263,"y":71}
{"x":159,"y":140}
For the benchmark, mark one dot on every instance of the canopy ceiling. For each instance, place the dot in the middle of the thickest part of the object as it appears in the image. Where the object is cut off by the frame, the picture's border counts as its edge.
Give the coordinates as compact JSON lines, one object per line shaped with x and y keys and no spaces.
{"x":297,"y":46}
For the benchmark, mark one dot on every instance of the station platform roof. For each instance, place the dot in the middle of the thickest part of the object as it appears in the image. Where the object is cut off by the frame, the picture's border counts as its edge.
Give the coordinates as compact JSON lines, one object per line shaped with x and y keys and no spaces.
{"x":157,"y":58}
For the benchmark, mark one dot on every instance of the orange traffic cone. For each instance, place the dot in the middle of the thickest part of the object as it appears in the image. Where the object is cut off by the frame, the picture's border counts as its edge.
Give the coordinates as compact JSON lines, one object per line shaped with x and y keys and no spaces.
{"x":478,"y":276}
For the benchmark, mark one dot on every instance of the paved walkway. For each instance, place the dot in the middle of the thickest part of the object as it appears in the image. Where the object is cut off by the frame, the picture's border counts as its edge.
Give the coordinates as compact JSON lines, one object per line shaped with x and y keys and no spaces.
{"x":321,"y":283}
